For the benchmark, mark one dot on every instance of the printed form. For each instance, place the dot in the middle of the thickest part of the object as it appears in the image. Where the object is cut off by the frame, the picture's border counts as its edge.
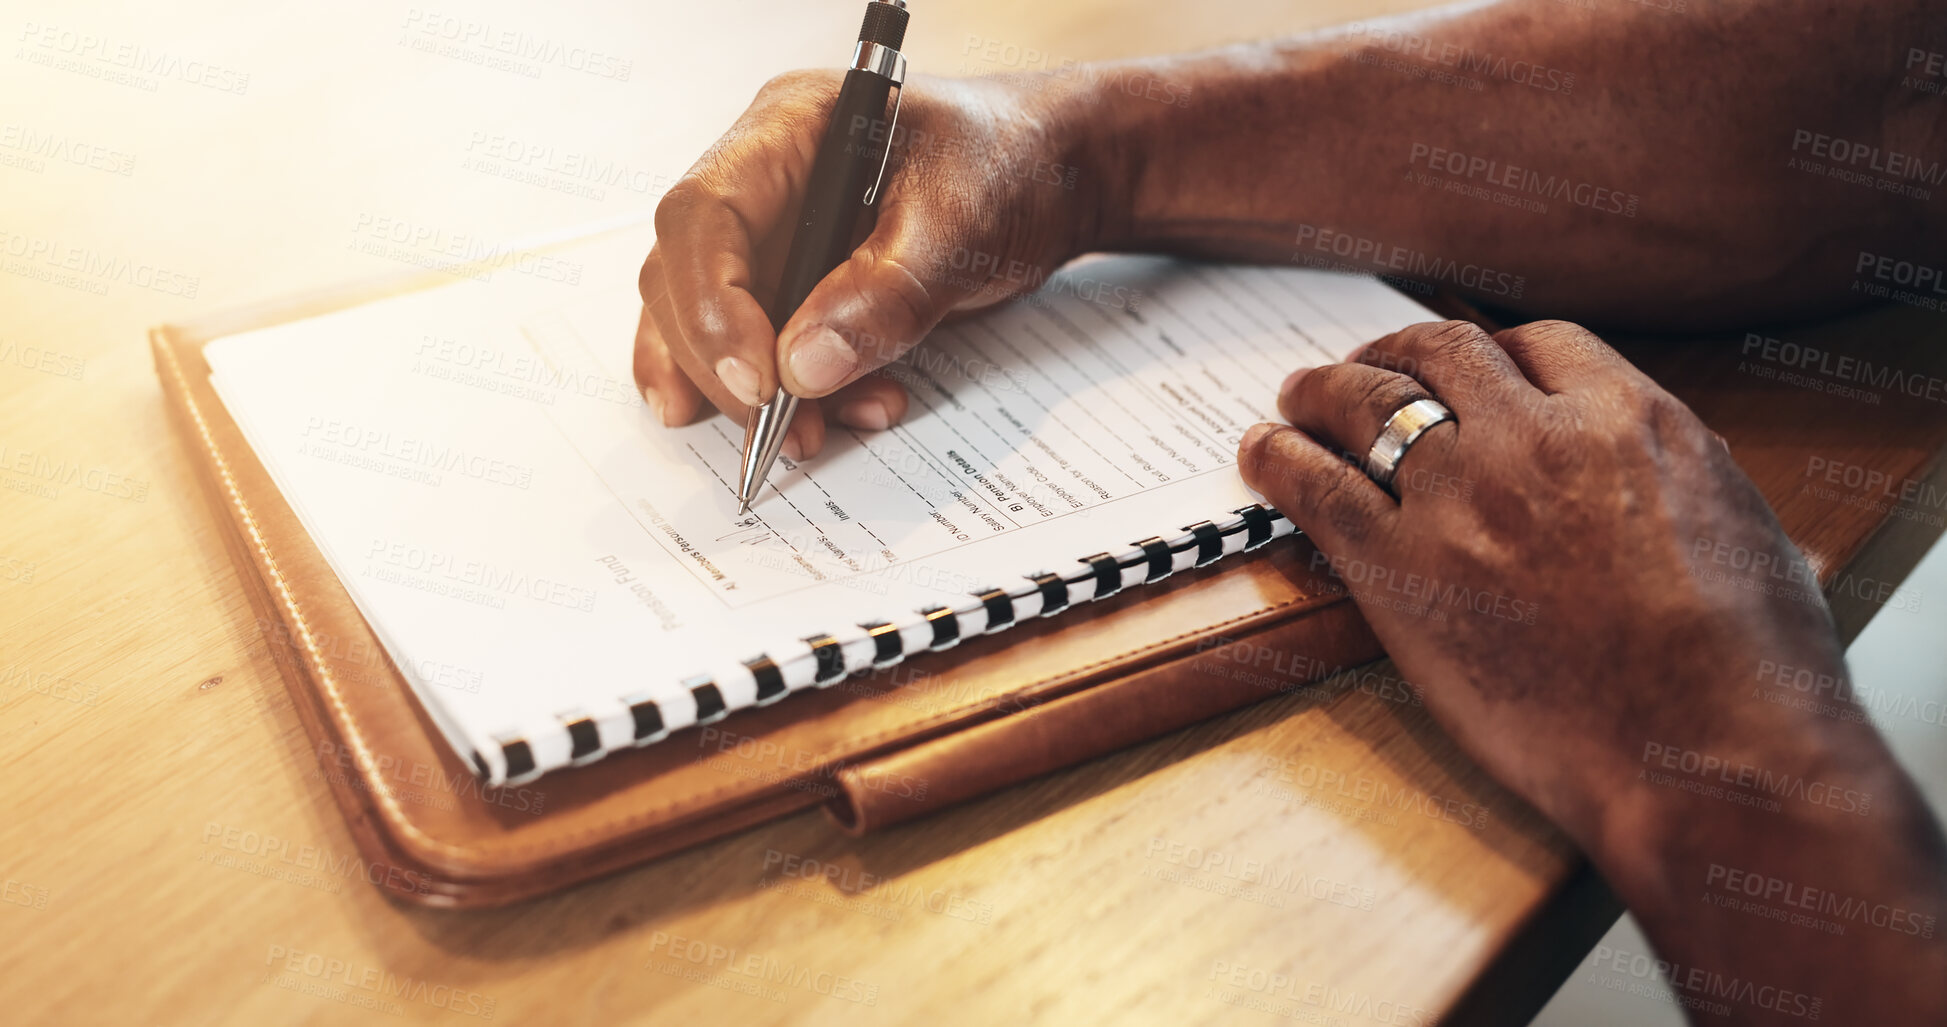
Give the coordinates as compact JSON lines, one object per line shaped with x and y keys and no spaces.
{"x":1121,"y":377}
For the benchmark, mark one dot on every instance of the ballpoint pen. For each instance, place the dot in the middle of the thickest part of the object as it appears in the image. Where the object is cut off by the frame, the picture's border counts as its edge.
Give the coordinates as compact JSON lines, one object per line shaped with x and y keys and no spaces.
{"x":835,"y":195}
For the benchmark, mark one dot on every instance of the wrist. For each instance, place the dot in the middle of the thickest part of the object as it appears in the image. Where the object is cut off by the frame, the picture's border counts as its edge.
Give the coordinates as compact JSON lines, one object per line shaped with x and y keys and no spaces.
{"x":1801,"y":802}
{"x":1713,"y":750}
{"x":1203,"y":154}
{"x":1112,"y":121}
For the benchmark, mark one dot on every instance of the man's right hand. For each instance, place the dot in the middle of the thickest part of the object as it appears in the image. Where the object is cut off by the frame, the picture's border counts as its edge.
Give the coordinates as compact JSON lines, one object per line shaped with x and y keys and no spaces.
{"x":991,"y":187}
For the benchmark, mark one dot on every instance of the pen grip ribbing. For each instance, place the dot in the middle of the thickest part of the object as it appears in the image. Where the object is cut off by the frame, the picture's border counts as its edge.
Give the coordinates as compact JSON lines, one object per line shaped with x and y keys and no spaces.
{"x":848,"y":158}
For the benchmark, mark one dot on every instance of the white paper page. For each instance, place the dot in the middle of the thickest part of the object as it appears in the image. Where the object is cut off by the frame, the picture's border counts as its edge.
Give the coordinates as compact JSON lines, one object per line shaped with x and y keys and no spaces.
{"x":536,"y":552}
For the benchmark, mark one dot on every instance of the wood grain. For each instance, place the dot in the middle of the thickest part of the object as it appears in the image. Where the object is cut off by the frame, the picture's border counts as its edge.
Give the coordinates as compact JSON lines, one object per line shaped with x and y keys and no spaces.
{"x":169,"y":850}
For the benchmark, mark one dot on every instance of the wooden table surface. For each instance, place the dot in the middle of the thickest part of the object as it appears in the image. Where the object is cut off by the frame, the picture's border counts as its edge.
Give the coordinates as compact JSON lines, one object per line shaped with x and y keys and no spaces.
{"x":169,"y":849}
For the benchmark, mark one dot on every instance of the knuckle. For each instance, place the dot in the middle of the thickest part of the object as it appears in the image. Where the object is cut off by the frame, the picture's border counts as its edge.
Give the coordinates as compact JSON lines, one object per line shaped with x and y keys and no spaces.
{"x":914,"y":302}
{"x":1440,"y":340}
{"x":1440,"y":336}
{"x":1316,"y":385}
{"x":1316,"y":491}
{"x":1461,"y":345}
{"x":679,"y":204}
{"x":1358,"y":401}
{"x":1551,"y":331}
{"x":1552,"y":336}
{"x":1378,"y":395}
{"x":1338,"y":504}
{"x":1254,"y":458}
{"x":1335,"y":390}
{"x":796,"y":81}
{"x":1326,"y":494}
{"x":1391,"y":360}
{"x":1413,"y":347}
{"x":1388,"y":352}
{"x":1277,"y":468}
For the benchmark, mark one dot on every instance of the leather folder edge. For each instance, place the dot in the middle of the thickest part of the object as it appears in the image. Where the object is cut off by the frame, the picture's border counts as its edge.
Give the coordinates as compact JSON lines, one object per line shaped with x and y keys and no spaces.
{"x":1212,"y":679}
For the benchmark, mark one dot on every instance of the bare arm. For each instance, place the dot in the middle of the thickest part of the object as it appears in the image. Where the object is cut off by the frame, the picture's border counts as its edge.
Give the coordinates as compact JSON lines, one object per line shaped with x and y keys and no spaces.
{"x":1627,"y":164}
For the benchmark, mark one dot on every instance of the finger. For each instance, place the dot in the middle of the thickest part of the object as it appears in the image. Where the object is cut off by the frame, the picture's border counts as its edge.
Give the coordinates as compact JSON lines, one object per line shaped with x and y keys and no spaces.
{"x":656,"y":374}
{"x":689,"y":392}
{"x":1558,"y":356}
{"x":716,"y":226}
{"x":806,"y":436}
{"x":873,"y":403}
{"x":672,"y":398}
{"x":802,"y":440}
{"x":873,"y":307}
{"x":708,"y":256}
{"x":1455,"y":359}
{"x":1325,"y":497}
{"x":1345,"y":405}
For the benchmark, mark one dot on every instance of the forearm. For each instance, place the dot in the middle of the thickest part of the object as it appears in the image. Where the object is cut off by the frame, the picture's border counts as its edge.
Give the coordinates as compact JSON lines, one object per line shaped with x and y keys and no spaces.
{"x":1622,"y":165}
{"x":1798,"y":881}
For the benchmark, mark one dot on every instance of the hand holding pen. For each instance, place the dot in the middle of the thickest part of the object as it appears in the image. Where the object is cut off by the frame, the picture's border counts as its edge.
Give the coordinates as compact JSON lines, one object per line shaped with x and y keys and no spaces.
{"x":987,"y":190}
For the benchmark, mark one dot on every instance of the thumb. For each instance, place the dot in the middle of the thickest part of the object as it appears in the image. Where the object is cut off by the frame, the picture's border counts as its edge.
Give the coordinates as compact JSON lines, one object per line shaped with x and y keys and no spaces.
{"x":870,"y":309}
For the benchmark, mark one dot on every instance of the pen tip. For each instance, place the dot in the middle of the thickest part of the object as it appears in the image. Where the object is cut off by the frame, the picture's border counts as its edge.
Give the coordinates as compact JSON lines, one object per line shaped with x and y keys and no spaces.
{"x":744,"y":509}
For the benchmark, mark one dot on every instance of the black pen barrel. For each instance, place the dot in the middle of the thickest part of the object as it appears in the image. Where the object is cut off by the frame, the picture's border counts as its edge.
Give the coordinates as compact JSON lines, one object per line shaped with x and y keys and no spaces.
{"x":846,"y":167}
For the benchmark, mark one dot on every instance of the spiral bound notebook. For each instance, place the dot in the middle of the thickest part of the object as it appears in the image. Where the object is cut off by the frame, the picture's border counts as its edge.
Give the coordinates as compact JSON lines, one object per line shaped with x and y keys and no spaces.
{"x":558,"y":576}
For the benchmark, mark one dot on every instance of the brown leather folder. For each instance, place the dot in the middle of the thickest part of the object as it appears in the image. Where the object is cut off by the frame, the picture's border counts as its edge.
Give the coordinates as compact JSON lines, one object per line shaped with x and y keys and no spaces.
{"x":874,"y":750}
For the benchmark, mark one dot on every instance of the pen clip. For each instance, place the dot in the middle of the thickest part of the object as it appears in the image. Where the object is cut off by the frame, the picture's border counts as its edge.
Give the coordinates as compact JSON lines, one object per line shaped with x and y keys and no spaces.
{"x":885,"y":61}
{"x":899,"y":98}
